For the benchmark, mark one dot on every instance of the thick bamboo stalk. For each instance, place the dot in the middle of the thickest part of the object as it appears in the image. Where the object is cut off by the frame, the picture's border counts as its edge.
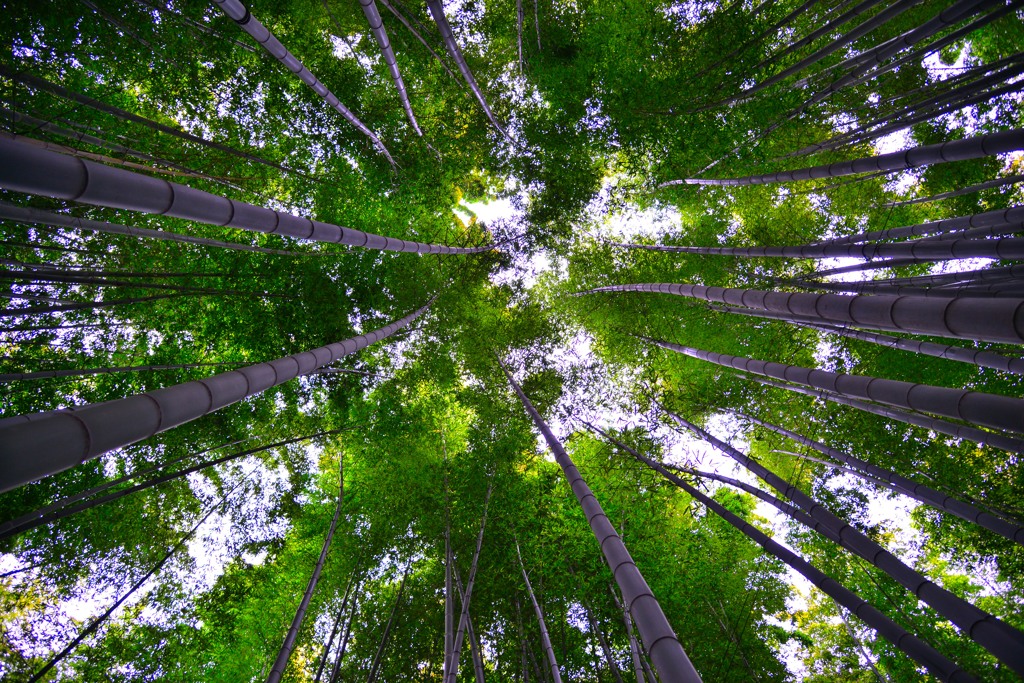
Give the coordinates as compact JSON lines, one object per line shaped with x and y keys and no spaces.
{"x":380,"y":34}
{"x":974,"y":407}
{"x":995,"y":440}
{"x":1002,"y":640}
{"x":240,"y":14}
{"x":1011,"y":216}
{"x":993,"y":320}
{"x":666,"y":652}
{"x":24,"y":168}
{"x":978,"y":357}
{"x":28,"y":215}
{"x":920,"y":250}
{"x":35,"y":446}
{"x":285,"y":653}
{"x":545,"y":639}
{"x":908,"y":487}
{"x":916,"y":648}
{"x":956,"y":150}
{"x":437,"y":12}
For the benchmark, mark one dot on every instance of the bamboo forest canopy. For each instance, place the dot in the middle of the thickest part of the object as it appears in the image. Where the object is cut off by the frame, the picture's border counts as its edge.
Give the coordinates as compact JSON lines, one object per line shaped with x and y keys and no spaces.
{"x":512,"y":341}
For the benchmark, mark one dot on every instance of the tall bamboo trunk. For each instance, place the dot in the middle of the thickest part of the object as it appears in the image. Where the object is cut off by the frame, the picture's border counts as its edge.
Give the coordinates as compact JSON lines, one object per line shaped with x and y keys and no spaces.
{"x":989,"y":410}
{"x":993,"y":320}
{"x":908,"y":487}
{"x":340,"y":656}
{"x":864,"y":70}
{"x":602,"y":640}
{"x":28,"y":215}
{"x":634,"y":647}
{"x":977,"y":357}
{"x":41,"y":444}
{"x":380,"y":34}
{"x":285,"y":653}
{"x":544,"y":638}
{"x":958,"y":431}
{"x":1011,"y":216}
{"x":916,"y":648}
{"x":335,"y":628}
{"x":375,"y":666}
{"x":39,"y":124}
{"x":240,"y":14}
{"x":83,"y":306}
{"x":666,"y":652}
{"x":861,"y":30}
{"x":437,"y":12}
{"x":453,"y":669}
{"x":412,"y":30}
{"x":957,"y":150}
{"x":971,"y":189}
{"x":24,"y":168}
{"x":824,"y":29}
{"x":1002,"y":640}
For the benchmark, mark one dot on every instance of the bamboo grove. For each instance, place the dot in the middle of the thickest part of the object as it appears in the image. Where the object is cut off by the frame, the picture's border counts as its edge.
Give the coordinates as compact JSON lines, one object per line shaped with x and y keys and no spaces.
{"x":512,"y":341}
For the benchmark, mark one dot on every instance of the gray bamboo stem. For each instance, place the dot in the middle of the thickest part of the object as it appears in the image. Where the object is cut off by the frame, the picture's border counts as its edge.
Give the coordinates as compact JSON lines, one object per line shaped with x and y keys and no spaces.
{"x":24,"y":168}
{"x":989,"y":410}
{"x":1000,"y":441}
{"x":285,"y":653}
{"x":957,"y":150}
{"x":917,"y":649}
{"x":666,"y":652}
{"x":240,"y":14}
{"x":544,"y":638}
{"x":41,"y":444}
{"x":380,"y":34}
{"x":994,"y":320}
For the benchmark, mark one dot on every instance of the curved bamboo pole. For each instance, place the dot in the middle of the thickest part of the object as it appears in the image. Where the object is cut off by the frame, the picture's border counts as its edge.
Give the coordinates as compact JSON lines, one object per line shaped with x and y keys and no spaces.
{"x":240,"y":14}
{"x":285,"y":653}
{"x":956,"y":150}
{"x":667,"y":654}
{"x":908,"y":487}
{"x":41,"y":444}
{"x":24,"y":168}
{"x":993,"y":320}
{"x":914,"y":647}
{"x":999,"y":638}
{"x":975,"y":407}
{"x":380,"y":34}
